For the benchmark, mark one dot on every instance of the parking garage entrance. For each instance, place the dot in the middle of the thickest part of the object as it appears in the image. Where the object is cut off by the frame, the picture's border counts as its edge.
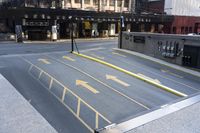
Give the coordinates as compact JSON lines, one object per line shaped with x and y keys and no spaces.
{"x":191,"y":56}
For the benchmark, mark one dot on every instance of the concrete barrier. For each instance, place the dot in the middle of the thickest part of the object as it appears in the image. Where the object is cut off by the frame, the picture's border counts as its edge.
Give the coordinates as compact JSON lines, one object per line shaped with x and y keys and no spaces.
{"x":177,"y":49}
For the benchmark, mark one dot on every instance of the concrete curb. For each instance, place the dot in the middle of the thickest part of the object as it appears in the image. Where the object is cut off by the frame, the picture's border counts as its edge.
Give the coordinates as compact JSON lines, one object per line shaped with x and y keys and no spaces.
{"x":159,"y":61}
{"x":163,"y":87}
{"x":69,"y":40}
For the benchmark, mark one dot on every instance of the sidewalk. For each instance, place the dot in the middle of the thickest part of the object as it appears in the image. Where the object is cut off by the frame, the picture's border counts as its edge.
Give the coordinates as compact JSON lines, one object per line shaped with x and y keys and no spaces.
{"x":17,"y":115}
{"x":180,"y":117}
{"x":186,"y":120}
{"x":159,"y":61}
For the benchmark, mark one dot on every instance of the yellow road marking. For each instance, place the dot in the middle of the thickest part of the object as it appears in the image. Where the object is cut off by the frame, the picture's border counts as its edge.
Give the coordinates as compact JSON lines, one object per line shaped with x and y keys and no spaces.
{"x":51,"y":82}
{"x":45,"y":61}
{"x":86,"y":85}
{"x":63,"y":96}
{"x":111,"y":88}
{"x":111,"y":77}
{"x":78,"y":107}
{"x":102,"y":58}
{"x":81,"y":100}
{"x":178,"y":93}
{"x":115,"y":53}
{"x":97,"y":121}
{"x":155,"y":80}
{"x":40,"y":75}
{"x":30,"y":68}
{"x":68,"y":58}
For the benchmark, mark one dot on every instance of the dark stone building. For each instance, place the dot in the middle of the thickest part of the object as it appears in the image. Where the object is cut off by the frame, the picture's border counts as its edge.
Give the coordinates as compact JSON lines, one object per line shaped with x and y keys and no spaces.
{"x":42,"y":19}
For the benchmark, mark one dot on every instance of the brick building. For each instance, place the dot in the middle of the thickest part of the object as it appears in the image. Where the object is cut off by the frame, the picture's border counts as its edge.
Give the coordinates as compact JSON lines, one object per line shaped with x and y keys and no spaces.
{"x":186,"y":14}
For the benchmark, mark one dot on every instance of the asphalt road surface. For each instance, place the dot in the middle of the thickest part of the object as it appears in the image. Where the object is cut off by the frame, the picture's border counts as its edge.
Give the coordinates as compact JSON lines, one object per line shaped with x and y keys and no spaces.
{"x":75,"y":94}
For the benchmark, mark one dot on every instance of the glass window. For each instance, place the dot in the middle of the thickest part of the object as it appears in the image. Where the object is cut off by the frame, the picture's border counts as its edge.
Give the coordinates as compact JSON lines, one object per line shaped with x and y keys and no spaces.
{"x":95,"y":2}
{"x":87,"y":1}
{"x":112,"y":2}
{"x":68,"y":1}
{"x":190,"y":29}
{"x":119,"y":3}
{"x":174,"y":30}
{"x":77,"y":1}
{"x":186,"y":30}
{"x":182,"y":30}
{"x":126,"y":3}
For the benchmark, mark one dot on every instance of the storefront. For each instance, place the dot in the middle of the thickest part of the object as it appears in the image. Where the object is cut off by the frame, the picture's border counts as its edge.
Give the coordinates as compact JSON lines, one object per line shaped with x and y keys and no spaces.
{"x":86,"y":24}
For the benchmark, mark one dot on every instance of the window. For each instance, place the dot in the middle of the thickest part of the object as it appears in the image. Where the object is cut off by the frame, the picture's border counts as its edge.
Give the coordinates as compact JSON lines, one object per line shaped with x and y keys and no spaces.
{"x":95,"y":2}
{"x":105,"y":2}
{"x":119,"y":3}
{"x":190,"y":29}
{"x":112,"y":2}
{"x":126,"y":3}
{"x":77,"y":1}
{"x":174,"y":30}
{"x":87,"y":1}
{"x":182,"y":30}
{"x":186,"y":30}
{"x":68,"y":1}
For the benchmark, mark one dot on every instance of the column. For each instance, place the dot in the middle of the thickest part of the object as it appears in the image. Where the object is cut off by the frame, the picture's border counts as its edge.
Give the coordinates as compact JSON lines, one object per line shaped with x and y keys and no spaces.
{"x":82,"y":4}
{"x":91,"y":3}
{"x":131,"y":2}
{"x":99,"y":5}
{"x":72,"y":3}
{"x":122,"y":6}
{"x":115,"y":6}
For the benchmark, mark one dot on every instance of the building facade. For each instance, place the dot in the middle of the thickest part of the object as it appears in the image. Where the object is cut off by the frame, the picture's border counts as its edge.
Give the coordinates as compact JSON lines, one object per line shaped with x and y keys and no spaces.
{"x":41,"y":19}
{"x":182,"y":7}
{"x":186,"y":14}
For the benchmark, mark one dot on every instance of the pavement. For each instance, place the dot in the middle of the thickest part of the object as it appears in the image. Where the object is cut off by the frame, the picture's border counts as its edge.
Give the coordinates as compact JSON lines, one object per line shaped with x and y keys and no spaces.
{"x":76,"y":94}
{"x":16,"y":113}
{"x":184,"y":121}
{"x":179,"y":117}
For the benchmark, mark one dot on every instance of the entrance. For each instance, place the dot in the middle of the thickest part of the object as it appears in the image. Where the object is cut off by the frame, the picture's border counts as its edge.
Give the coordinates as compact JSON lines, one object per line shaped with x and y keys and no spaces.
{"x":37,"y":35}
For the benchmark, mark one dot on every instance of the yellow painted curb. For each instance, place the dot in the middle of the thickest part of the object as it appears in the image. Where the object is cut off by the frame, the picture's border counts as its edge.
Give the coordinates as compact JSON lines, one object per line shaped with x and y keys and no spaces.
{"x":134,"y":75}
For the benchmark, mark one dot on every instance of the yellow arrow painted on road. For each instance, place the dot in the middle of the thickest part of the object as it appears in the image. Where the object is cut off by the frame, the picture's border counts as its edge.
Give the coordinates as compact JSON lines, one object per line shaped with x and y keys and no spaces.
{"x":144,"y":76}
{"x":111,"y":77}
{"x":102,"y":58}
{"x":86,"y":85}
{"x":118,"y":54}
{"x":45,"y":61}
{"x":68,"y":58}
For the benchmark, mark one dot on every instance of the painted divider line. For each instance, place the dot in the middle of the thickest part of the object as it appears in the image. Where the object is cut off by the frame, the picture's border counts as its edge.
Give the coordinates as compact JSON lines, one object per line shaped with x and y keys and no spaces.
{"x":65,"y":89}
{"x":115,"y":53}
{"x":68,"y":58}
{"x":157,"y":74}
{"x":175,"y":92}
{"x":45,"y":61}
{"x":101,"y":82}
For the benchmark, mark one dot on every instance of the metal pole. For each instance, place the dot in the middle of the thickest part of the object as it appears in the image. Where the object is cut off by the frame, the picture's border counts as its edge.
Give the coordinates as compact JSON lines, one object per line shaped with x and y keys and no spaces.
{"x":72,"y":36}
{"x":121,"y":29}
